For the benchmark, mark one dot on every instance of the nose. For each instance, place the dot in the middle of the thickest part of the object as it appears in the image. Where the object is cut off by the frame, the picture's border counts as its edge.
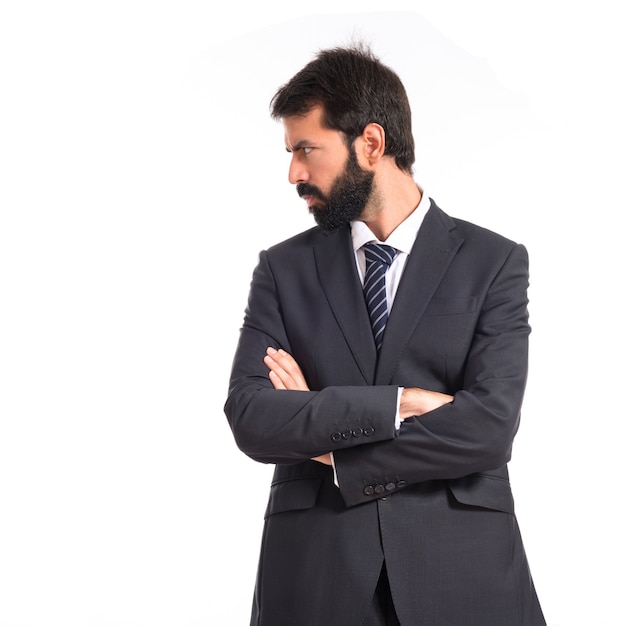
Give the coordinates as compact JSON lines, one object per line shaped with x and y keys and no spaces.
{"x":297,"y":171}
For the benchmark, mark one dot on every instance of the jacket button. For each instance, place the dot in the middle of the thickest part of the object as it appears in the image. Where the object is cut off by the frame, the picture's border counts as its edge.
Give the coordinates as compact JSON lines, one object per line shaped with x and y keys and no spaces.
{"x":390,"y":486}
{"x":346,"y":434}
{"x":369,"y":490}
{"x":379,"y":489}
{"x":357,"y":432}
{"x":400,"y":484}
{"x":368,"y":430}
{"x":336,"y":436}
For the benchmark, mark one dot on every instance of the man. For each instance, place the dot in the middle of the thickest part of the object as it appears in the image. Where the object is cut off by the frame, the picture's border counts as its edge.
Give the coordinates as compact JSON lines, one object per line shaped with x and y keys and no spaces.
{"x":390,"y":502}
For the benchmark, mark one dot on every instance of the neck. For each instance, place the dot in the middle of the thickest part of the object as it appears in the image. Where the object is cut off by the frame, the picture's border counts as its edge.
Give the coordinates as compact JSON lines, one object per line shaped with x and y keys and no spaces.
{"x":395,"y":197}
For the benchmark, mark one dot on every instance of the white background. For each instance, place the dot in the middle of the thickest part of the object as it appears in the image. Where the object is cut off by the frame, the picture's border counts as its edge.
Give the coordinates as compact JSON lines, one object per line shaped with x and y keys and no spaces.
{"x":137,"y":156}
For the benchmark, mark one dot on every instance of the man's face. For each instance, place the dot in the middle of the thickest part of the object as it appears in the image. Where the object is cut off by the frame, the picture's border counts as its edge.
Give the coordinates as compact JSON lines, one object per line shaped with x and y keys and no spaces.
{"x":326,"y":173}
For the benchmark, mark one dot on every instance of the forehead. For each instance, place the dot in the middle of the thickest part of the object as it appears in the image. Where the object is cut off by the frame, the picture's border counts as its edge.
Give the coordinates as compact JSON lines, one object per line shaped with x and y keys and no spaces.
{"x":307,"y":129}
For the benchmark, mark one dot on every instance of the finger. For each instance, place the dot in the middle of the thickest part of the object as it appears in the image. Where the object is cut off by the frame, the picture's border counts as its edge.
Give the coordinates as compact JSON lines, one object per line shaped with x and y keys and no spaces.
{"x":279,"y":377}
{"x":289,"y":365}
{"x":276,"y":381}
{"x":275,"y":367}
{"x":287,"y":369}
{"x":283,"y":364}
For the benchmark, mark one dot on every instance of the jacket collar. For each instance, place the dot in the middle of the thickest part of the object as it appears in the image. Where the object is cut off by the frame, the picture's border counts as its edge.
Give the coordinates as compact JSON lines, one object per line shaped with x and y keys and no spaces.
{"x":435,"y":246}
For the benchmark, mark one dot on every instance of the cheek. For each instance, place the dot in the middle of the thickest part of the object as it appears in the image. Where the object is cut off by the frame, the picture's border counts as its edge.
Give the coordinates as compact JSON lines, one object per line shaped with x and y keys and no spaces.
{"x":328,"y":175}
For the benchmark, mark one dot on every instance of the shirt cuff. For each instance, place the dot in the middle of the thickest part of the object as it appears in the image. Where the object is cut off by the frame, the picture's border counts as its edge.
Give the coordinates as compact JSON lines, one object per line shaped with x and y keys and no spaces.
{"x":398,"y":420}
{"x":332,"y":461}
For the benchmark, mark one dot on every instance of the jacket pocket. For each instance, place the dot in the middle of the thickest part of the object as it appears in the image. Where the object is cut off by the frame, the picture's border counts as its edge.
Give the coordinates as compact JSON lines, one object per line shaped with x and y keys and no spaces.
{"x":293,"y":494}
{"x":483,"y":490}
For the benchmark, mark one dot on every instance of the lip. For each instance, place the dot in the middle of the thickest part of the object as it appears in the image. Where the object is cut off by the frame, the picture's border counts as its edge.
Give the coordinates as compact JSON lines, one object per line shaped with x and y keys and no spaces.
{"x":308,"y":199}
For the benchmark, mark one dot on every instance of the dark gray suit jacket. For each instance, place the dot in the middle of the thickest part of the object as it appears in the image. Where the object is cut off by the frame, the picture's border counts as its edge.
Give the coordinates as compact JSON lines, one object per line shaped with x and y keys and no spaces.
{"x":433,"y":499}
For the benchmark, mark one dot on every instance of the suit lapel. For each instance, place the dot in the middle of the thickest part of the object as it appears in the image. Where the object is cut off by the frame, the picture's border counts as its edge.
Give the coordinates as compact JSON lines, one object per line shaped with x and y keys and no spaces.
{"x":436,"y":245}
{"x":338,"y":275}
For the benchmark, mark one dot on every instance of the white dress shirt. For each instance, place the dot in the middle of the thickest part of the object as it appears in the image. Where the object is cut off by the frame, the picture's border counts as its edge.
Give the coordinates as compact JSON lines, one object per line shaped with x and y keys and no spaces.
{"x":402,"y":239}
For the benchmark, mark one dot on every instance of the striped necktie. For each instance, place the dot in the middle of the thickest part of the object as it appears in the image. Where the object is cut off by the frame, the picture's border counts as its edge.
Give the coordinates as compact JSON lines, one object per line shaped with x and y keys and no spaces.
{"x":378,"y":258}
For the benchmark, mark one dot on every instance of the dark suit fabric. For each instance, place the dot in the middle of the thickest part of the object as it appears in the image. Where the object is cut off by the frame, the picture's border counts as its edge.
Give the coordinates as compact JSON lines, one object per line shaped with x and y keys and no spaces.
{"x":432,"y":500}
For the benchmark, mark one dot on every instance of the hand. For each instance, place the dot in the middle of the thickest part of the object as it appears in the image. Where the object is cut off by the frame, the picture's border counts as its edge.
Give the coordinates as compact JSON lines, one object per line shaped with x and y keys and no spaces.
{"x":415,"y":401}
{"x":285,"y":373}
{"x":325,"y":459}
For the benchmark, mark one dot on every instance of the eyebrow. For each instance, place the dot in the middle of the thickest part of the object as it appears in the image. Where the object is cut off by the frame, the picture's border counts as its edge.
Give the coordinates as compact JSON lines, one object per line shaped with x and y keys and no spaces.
{"x":304,"y":143}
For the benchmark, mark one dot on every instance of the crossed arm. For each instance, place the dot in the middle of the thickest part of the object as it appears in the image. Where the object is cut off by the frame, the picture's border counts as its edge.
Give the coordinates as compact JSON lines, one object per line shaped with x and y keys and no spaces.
{"x":285,"y":373}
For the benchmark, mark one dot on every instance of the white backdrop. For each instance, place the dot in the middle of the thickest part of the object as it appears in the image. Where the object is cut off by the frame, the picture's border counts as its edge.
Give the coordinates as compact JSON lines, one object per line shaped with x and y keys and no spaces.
{"x":137,"y":154}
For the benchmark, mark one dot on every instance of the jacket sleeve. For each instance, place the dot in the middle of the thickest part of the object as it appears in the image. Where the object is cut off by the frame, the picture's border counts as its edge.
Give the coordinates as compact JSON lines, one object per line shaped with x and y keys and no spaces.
{"x":473,"y":433}
{"x":279,"y":426}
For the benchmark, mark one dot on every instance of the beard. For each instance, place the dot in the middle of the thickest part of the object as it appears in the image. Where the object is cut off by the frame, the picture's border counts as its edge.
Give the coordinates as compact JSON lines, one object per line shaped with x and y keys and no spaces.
{"x":347,"y":198}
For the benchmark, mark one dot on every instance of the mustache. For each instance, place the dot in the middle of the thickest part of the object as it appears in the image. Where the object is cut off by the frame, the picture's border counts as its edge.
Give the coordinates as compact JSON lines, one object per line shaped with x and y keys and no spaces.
{"x":306,"y":189}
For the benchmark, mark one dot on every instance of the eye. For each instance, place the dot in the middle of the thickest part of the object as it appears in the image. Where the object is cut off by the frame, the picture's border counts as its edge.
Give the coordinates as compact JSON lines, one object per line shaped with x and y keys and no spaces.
{"x":307,"y":149}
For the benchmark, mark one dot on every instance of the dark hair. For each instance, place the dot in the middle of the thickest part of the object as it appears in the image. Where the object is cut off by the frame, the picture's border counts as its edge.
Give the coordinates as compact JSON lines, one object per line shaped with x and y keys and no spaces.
{"x":354,"y":89}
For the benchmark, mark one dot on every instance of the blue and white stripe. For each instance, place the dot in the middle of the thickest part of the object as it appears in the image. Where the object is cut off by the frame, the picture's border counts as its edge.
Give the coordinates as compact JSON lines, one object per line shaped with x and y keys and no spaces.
{"x":378,"y":258}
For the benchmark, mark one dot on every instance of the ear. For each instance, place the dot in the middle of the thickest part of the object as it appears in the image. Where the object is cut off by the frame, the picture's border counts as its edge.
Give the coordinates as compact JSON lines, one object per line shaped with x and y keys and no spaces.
{"x":372,"y":143}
